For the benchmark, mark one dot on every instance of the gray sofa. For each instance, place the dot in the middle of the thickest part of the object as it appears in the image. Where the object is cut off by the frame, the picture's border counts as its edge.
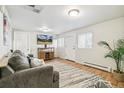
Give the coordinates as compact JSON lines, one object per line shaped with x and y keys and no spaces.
{"x":38,"y":77}
{"x":42,"y":76}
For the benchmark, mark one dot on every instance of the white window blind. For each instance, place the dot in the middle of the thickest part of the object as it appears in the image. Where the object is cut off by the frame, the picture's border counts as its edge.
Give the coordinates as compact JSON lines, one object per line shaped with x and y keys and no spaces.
{"x":85,"y":40}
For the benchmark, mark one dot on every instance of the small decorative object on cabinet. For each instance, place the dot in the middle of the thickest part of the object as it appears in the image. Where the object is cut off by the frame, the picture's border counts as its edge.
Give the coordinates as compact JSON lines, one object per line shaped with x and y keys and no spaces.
{"x":46,"y":53}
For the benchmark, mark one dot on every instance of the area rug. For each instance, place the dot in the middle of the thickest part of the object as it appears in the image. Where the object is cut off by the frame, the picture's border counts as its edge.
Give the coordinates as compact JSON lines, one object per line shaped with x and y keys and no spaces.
{"x":72,"y":77}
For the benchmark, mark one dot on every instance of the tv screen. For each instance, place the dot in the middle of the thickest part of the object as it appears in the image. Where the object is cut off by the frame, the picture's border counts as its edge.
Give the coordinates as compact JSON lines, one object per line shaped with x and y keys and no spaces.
{"x":44,"y":39}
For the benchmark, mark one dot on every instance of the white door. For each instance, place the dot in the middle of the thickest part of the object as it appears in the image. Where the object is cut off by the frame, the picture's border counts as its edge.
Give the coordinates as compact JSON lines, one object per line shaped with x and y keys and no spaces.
{"x":70,"y":46}
{"x":21,"y":41}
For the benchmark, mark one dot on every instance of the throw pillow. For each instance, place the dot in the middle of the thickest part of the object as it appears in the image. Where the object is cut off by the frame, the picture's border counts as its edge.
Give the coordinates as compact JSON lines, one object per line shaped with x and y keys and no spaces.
{"x":18,"y":53}
{"x":18,"y":62}
{"x":37,"y":62}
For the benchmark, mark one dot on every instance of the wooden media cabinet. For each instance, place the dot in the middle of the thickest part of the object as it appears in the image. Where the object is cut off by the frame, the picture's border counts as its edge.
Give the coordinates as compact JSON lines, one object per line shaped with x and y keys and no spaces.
{"x":46,"y":53}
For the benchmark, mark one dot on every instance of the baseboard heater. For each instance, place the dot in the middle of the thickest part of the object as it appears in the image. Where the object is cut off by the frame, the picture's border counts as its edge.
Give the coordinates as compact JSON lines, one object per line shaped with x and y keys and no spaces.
{"x":98,"y":66}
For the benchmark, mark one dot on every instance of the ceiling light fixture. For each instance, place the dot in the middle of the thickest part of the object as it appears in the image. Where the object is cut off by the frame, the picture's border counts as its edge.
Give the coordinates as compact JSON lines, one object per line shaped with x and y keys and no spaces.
{"x":45,"y":29}
{"x":73,"y":12}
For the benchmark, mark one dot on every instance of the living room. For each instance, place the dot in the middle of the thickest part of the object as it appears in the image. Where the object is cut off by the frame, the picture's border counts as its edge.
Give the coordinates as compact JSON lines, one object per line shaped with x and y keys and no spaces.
{"x":68,"y":39}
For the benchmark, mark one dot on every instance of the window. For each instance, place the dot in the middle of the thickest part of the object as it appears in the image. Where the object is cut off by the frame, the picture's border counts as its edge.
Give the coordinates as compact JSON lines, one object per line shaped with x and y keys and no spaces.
{"x":61,"y":42}
{"x":85,"y":40}
{"x":54,"y":43}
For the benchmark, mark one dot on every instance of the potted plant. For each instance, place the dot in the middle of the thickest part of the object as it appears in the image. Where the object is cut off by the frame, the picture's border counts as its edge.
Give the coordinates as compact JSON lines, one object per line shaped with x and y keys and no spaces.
{"x":116,"y":53}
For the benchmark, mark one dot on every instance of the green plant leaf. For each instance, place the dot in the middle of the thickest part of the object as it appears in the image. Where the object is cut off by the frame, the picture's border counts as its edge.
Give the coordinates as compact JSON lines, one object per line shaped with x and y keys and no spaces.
{"x":105,"y":44}
{"x":109,"y":55}
{"x":120,"y":43}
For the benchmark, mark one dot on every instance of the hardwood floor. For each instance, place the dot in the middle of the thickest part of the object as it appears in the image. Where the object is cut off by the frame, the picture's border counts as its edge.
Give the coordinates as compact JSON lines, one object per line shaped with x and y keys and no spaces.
{"x":106,"y":75}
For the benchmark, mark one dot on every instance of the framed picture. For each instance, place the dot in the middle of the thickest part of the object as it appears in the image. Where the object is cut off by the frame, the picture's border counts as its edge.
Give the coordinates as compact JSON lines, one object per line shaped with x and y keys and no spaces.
{"x":1,"y":28}
{"x":6,"y":31}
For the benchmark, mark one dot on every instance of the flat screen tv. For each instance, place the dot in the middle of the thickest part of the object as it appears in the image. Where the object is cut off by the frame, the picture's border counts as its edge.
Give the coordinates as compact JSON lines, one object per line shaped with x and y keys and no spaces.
{"x":44,"y":39}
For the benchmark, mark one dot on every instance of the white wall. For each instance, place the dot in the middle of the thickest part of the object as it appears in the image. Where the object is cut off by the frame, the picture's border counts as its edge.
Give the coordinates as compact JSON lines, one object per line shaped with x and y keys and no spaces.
{"x":109,"y":31}
{"x":31,"y":42}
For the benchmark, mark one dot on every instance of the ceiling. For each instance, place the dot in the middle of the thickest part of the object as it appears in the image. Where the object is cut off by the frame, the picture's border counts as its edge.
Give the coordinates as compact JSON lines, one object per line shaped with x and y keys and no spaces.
{"x":56,"y":17}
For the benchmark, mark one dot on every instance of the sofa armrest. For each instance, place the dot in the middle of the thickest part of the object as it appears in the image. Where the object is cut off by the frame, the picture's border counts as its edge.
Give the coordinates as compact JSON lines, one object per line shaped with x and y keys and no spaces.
{"x":34,"y":78}
{"x":55,"y":79}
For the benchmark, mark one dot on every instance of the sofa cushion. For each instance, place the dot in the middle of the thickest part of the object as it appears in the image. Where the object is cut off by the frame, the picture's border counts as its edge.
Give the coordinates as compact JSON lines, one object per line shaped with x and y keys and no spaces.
{"x":18,"y":62}
{"x":6,"y":71}
{"x":18,"y":53}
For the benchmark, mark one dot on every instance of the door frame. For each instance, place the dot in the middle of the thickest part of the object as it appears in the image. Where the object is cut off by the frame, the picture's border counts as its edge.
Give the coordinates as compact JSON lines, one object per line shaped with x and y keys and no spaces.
{"x":73,"y":36}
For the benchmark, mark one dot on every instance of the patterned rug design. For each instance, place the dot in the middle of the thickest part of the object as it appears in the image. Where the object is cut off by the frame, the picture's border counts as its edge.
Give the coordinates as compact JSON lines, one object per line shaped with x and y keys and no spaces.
{"x":72,"y":77}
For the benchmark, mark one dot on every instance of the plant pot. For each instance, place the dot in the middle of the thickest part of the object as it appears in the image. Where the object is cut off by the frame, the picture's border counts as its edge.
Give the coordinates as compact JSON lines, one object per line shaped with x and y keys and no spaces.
{"x":118,"y":76}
